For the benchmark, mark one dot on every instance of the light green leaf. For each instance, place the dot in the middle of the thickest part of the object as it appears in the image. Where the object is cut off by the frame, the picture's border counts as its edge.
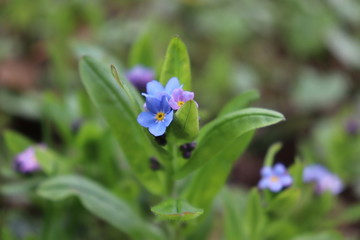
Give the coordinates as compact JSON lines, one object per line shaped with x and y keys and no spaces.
{"x":186,"y":122}
{"x":203,"y":186}
{"x":176,"y":209}
{"x":254,"y":219}
{"x":273,"y":150}
{"x":121,"y":114}
{"x":142,"y":52}
{"x":49,"y":160}
{"x":328,"y":235}
{"x":100,"y":202}
{"x":177,"y":64}
{"x":217,"y":135}
{"x":15,"y":142}
{"x":241,"y":101}
{"x":285,"y":201}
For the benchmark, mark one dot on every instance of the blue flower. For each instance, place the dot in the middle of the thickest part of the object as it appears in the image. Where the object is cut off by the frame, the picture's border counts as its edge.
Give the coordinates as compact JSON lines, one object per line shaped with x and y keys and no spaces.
{"x":324,"y":180}
{"x":139,"y":76}
{"x":158,"y":117}
{"x":274,"y":178}
{"x":155,"y":89}
{"x":26,"y":162}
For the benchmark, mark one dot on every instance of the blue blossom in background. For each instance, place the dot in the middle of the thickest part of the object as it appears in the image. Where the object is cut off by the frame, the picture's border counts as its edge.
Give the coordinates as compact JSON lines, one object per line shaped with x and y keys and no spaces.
{"x":155,"y":89}
{"x":139,"y":76}
{"x":158,"y":115}
{"x":26,"y":162}
{"x":352,"y":127}
{"x":324,"y":179}
{"x":274,"y":178}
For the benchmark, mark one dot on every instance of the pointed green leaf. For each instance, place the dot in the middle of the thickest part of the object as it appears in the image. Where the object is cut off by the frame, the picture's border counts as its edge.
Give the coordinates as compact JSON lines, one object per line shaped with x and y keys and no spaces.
{"x":203,"y":186}
{"x":186,"y":122}
{"x":176,"y":209}
{"x":100,"y":202}
{"x":142,"y":52}
{"x":121,"y":113}
{"x":177,"y":64}
{"x":15,"y":142}
{"x":217,"y":135}
{"x":49,"y":160}
{"x":240,"y":102}
{"x":254,"y":219}
{"x":285,"y":201}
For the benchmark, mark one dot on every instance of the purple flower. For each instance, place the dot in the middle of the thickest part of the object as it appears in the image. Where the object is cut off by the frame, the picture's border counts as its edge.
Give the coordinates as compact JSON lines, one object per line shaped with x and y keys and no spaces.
{"x":139,"y":76}
{"x":155,"y":89}
{"x":26,"y":162}
{"x":352,"y":127}
{"x":274,"y":178}
{"x":179,"y":97}
{"x":324,"y":180}
{"x":158,"y":116}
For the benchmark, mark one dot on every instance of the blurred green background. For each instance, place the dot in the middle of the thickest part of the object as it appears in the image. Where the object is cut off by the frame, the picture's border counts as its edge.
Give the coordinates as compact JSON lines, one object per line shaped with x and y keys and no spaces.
{"x":303,"y":57}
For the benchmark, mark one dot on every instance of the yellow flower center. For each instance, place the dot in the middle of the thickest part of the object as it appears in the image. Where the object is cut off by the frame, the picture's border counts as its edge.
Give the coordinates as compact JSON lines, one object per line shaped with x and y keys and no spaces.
{"x":160,"y":116}
{"x":180,"y":103}
{"x":274,"y":179}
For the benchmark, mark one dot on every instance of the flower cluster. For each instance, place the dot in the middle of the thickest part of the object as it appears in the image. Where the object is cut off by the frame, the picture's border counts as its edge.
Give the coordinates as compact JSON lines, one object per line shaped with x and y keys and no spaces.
{"x":26,"y":162}
{"x":324,"y":180}
{"x":274,"y":178}
{"x":161,"y":102}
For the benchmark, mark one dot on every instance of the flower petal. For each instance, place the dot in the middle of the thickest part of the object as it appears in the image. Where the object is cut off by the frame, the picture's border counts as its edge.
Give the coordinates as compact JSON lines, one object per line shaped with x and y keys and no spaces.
{"x":169,"y":117}
{"x":172,"y":84}
{"x":154,"y":87}
{"x":153,"y":104}
{"x":266,"y":171}
{"x":286,"y":180}
{"x":173,"y":104}
{"x":164,"y":105}
{"x":177,"y":94}
{"x":279,"y":169}
{"x":187,"y":96}
{"x":264,"y":182}
{"x":275,"y":186}
{"x":157,"y":129}
{"x":146,"y":119}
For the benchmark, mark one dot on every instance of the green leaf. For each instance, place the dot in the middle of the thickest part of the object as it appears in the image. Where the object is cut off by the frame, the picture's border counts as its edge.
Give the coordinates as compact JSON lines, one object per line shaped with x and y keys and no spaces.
{"x":176,"y":209}
{"x":49,"y":160}
{"x":328,"y":235}
{"x":177,"y":64}
{"x":15,"y":142}
{"x":121,"y":114}
{"x":254,"y":219}
{"x":285,"y":201}
{"x":186,"y":122}
{"x":100,"y":202}
{"x":203,"y":186}
{"x":217,"y":135}
{"x":142,"y":52}
{"x":273,"y":150}
{"x":240,"y":102}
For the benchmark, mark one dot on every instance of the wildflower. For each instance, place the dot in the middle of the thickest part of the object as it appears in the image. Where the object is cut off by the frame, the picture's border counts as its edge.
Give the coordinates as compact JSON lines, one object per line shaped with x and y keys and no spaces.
{"x":158,"y":116}
{"x":26,"y":162}
{"x":275,"y":178}
{"x":187,"y":149}
{"x":352,"y":127}
{"x":139,"y":76}
{"x":179,"y":97}
{"x":155,"y":89}
{"x":324,"y":180}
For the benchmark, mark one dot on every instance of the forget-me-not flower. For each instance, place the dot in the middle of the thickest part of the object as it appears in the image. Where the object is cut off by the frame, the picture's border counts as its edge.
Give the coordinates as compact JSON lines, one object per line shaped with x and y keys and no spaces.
{"x":179,"y":97}
{"x":324,"y":179}
{"x":139,"y":76}
{"x":274,"y":178}
{"x":155,"y":89}
{"x":26,"y":162}
{"x":158,"y":115}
